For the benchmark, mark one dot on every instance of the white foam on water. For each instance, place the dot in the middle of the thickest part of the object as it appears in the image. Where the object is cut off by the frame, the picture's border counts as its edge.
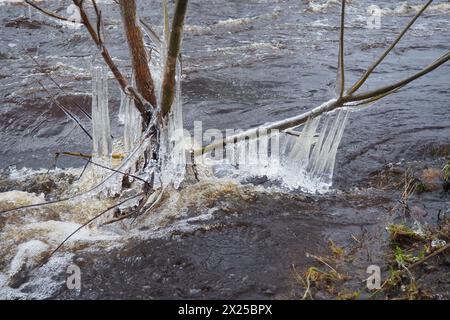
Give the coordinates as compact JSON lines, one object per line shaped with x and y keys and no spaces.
{"x":42,"y":282}
{"x":27,"y":257}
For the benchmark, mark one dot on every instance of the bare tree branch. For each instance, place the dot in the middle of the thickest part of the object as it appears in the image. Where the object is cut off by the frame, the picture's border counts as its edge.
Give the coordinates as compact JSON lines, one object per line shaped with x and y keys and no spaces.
{"x":173,"y":51}
{"x":65,"y":110}
{"x":366,"y":75}
{"x":141,"y":103}
{"x":47,"y":12}
{"x":139,"y":58}
{"x":341,"y":66}
{"x":391,"y":88}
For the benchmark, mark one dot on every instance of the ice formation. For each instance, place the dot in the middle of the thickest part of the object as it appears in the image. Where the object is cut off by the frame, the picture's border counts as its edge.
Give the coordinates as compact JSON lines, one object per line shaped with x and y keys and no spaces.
{"x":132,"y":123}
{"x":171,"y":150}
{"x":302,"y":160}
{"x":124,"y":101}
{"x":101,"y":131}
{"x":172,"y":140}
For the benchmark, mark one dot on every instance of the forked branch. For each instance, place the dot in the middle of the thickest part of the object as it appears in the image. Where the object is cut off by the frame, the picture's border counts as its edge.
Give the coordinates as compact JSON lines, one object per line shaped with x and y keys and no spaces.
{"x":395,"y":86}
{"x":369,"y":71}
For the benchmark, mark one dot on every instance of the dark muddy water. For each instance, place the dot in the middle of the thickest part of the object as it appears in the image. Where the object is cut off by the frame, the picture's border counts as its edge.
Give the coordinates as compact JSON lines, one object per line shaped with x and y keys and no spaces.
{"x":245,"y":63}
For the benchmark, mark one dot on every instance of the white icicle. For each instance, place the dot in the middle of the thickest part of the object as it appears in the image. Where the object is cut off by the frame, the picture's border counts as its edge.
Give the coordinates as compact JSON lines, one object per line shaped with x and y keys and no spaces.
{"x":324,"y":154}
{"x":101,"y":131}
{"x":124,"y":102}
{"x":132,"y":130}
{"x":303,"y":159}
{"x":173,"y":150}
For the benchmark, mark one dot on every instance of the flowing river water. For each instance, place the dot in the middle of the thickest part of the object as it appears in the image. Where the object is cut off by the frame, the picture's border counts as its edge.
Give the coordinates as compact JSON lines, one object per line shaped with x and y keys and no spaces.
{"x":244,"y":63}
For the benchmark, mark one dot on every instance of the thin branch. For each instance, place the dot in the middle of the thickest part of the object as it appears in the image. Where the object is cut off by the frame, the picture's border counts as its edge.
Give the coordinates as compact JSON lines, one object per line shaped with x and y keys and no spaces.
{"x":99,"y":20}
{"x":264,"y":129}
{"x":90,"y":221}
{"x":65,"y":110}
{"x":151,"y":34}
{"x":341,"y":66}
{"x":173,"y":51}
{"x":88,"y":157}
{"x":395,"y":86}
{"x":369,"y":71}
{"x":166,"y":28}
{"x":47,"y":12}
{"x":435,"y":253}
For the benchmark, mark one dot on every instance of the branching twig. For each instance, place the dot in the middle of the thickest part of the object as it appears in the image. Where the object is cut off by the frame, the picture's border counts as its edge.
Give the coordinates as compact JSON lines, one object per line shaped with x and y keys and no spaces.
{"x":369,"y":71}
{"x":348,"y":99}
{"x":395,"y":86}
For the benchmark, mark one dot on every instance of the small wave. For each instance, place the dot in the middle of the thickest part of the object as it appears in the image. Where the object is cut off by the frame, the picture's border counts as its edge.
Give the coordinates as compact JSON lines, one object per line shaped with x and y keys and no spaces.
{"x":229,"y":23}
{"x":406,"y":8}
{"x":250,"y":47}
{"x":247,"y":20}
{"x":322,"y":8}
